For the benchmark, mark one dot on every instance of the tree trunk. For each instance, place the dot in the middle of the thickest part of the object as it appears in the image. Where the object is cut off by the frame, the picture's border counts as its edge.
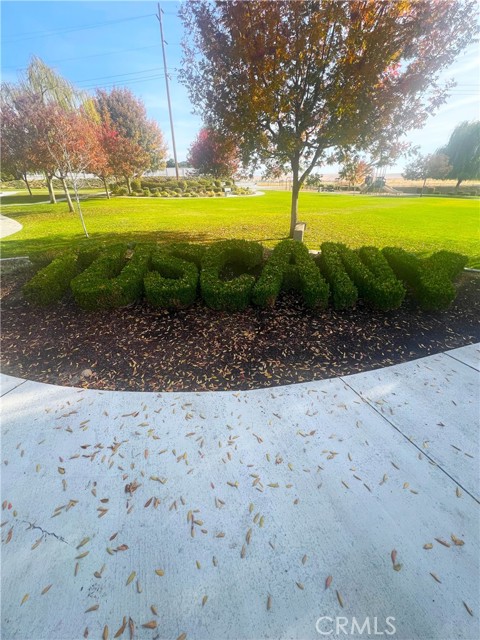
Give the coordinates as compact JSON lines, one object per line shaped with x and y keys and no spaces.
{"x":423,"y":187}
{"x":51,"y":192}
{"x":106,"y":188}
{"x":67,"y":194}
{"x":459,"y":182}
{"x":25,"y":179}
{"x":129,"y":185}
{"x":295,"y":192}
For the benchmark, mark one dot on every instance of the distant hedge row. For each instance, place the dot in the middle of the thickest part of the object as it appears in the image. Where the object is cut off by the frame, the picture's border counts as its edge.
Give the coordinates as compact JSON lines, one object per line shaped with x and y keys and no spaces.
{"x":232,"y":274}
{"x":161,"y":187}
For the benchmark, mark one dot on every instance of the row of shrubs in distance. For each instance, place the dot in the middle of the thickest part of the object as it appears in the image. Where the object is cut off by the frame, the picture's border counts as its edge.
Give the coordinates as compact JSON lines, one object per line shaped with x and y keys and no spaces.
{"x":170,"y":188}
{"x":174,"y":276}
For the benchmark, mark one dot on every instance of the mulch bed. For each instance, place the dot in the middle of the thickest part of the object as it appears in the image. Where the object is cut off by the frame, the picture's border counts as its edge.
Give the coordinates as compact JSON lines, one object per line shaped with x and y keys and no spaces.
{"x":142,"y":349}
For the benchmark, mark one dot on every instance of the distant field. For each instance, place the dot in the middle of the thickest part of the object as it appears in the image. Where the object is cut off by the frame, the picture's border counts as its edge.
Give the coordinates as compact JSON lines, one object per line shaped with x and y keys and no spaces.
{"x":422,"y":225}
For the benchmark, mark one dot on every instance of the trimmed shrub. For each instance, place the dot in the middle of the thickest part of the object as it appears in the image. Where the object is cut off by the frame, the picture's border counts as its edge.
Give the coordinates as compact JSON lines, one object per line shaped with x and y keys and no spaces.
{"x":87,"y":255}
{"x":376,"y":283}
{"x":234,"y":294}
{"x":430,"y":279}
{"x":122,"y":191}
{"x":112,"y":280}
{"x":172,"y":282}
{"x":136,"y":185}
{"x":92,"y":289}
{"x":146,"y":192}
{"x":186,"y":251}
{"x":52,"y":282}
{"x":344,"y":292}
{"x":452,"y":264}
{"x":291,"y":268}
{"x":385,"y":291}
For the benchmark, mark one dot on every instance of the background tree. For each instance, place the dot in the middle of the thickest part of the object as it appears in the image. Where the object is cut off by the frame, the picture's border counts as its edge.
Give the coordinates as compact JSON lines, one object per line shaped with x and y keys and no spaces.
{"x":17,"y":150}
{"x":354,"y":169}
{"x":41,"y":86}
{"x":214,"y":155}
{"x":124,"y":156}
{"x":73,"y":144}
{"x":433,"y":165}
{"x":291,"y":80}
{"x":121,"y":111}
{"x":463,"y":152}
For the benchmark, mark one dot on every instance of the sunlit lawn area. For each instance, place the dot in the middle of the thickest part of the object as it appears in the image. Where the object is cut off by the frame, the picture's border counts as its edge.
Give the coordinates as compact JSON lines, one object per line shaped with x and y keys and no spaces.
{"x":421,"y":225}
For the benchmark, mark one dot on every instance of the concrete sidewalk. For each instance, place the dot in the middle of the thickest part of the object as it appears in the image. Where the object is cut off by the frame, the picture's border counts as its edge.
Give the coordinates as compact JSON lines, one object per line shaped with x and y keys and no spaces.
{"x":8,"y":226}
{"x":226,"y":515}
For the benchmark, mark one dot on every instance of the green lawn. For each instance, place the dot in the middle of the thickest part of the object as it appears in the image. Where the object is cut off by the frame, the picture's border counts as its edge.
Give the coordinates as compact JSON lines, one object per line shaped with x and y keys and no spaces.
{"x":421,"y":225}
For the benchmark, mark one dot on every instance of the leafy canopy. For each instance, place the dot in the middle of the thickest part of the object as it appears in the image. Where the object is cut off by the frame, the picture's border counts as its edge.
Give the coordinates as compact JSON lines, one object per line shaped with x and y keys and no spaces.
{"x":463,"y":151}
{"x":213,"y":154}
{"x":291,"y":80}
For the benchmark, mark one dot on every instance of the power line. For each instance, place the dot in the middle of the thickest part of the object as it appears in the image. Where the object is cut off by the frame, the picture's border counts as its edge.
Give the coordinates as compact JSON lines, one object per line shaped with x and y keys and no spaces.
{"x":118,"y":75}
{"x":128,"y":83}
{"x":93,"y":55}
{"x":44,"y":34}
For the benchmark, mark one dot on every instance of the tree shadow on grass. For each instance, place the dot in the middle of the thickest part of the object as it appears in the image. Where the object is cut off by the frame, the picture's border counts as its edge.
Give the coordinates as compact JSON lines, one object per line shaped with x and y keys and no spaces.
{"x":56,"y":243}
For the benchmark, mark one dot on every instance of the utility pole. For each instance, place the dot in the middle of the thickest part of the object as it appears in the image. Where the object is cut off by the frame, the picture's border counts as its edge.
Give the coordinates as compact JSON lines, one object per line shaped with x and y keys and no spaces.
{"x":159,"y":18}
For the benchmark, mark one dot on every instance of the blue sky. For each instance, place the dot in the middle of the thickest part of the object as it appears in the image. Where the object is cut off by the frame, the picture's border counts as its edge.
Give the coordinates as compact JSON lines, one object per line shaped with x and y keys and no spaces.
{"x":106,"y":44}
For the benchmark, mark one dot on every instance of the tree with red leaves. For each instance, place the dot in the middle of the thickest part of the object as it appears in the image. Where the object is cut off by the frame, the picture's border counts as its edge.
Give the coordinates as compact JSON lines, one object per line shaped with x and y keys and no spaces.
{"x":214,"y":155}
{"x":139,"y":139}
{"x":18,"y":157}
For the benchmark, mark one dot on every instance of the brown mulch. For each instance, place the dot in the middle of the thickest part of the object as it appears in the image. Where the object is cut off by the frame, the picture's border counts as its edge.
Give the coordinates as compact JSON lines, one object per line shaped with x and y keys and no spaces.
{"x":142,"y":349}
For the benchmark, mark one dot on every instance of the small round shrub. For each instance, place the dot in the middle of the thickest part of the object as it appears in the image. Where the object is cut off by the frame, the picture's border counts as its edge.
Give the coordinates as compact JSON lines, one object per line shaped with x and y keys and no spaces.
{"x":122,"y":191}
{"x":164,"y":194}
{"x":146,"y":192}
{"x":136,"y":185}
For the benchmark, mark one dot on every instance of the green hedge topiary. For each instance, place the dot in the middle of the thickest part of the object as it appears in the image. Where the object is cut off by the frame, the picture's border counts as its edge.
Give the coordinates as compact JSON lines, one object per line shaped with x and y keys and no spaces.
{"x":344,"y":292}
{"x":172,"y":282}
{"x":186,"y":251}
{"x":430,"y":279}
{"x":93,"y":289}
{"x":112,"y":280}
{"x":233,"y":294}
{"x":376,"y":283}
{"x":52,"y":282}
{"x":290,"y":267}
{"x":385,"y":291}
